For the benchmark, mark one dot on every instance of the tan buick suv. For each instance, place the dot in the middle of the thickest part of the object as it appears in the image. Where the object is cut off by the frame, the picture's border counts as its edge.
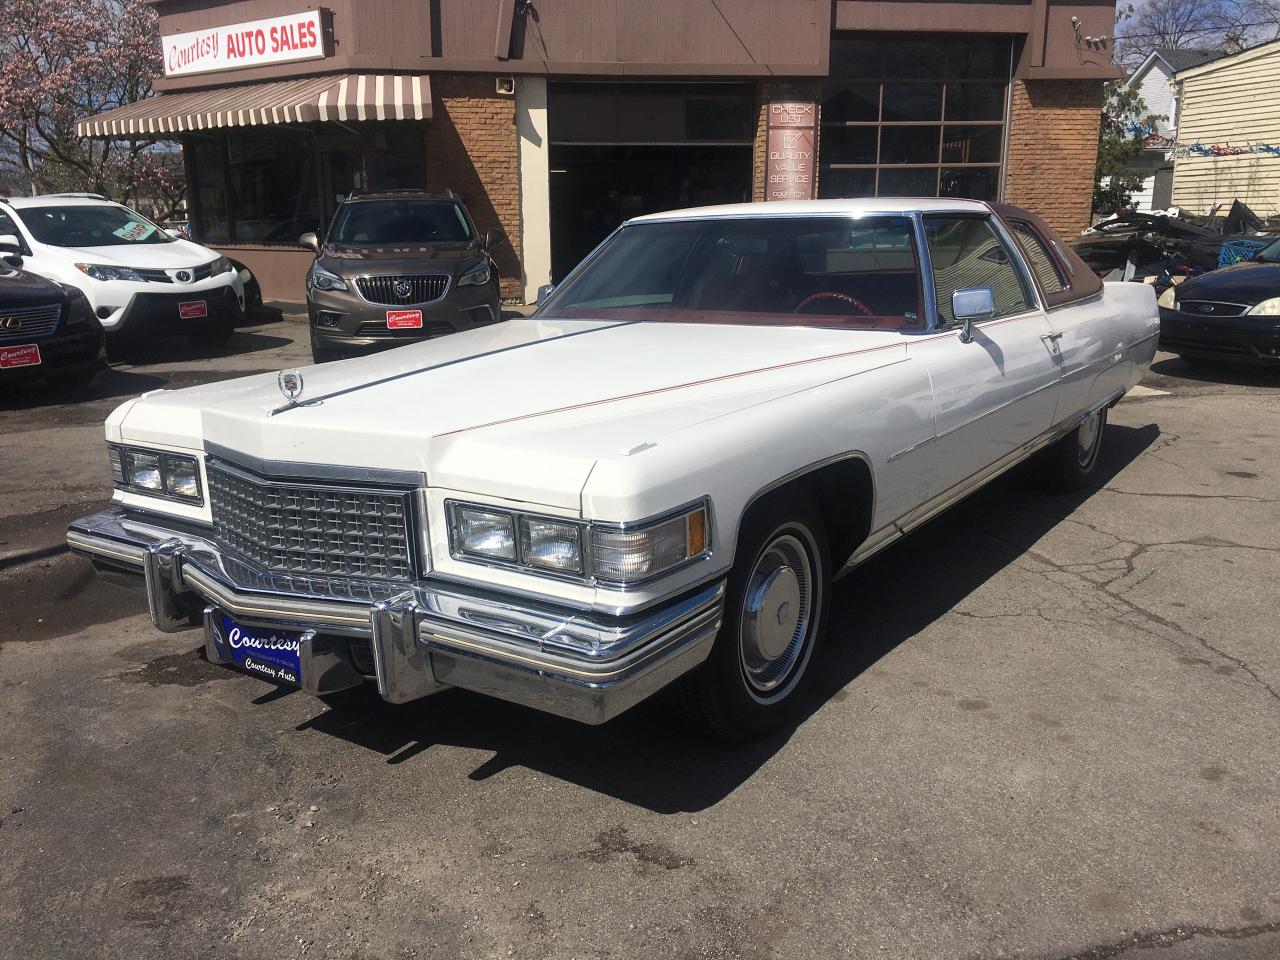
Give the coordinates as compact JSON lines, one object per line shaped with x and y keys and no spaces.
{"x":395,"y":268}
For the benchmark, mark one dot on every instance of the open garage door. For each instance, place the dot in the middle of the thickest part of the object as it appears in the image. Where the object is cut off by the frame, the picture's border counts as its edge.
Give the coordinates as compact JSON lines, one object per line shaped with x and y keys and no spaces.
{"x":619,"y":150}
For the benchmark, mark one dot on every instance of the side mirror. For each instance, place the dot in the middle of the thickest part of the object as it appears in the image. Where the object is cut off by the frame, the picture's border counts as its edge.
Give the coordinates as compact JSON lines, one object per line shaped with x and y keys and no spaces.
{"x":969,"y":304}
{"x":544,"y":292}
{"x":310,"y":240}
{"x":492,"y":237}
{"x":176,"y":234}
{"x":9,"y":244}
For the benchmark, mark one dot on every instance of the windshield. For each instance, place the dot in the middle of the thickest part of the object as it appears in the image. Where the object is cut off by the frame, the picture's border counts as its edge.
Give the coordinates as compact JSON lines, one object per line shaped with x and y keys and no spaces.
{"x":858,"y":273}
{"x":107,"y":225}
{"x":368,"y":222}
{"x":1270,"y":254}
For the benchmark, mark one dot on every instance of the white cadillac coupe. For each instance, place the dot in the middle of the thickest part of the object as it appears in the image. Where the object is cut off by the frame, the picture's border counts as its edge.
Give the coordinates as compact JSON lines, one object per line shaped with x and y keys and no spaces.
{"x":652,"y":481}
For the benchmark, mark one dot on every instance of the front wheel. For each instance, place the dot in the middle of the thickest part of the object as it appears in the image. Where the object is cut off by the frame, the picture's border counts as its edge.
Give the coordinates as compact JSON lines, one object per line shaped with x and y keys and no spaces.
{"x":1072,"y":462}
{"x":759,"y":669}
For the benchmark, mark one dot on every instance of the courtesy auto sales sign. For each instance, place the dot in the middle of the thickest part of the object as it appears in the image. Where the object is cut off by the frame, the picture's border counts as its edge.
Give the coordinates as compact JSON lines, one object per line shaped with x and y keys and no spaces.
{"x":296,"y":36}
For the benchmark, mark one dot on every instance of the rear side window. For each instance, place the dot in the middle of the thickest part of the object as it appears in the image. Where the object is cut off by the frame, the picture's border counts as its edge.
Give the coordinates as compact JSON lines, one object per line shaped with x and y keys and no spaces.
{"x":966,"y":252}
{"x":1038,"y":255}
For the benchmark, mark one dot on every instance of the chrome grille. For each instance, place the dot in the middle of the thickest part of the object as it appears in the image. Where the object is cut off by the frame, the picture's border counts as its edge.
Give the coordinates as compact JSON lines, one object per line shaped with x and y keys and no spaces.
{"x":1211,"y":308}
{"x":28,"y":322}
{"x":331,"y":531}
{"x":409,"y":289}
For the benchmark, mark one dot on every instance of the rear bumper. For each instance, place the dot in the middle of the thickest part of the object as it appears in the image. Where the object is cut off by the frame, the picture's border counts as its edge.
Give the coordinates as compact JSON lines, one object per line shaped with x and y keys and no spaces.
{"x":1245,"y":339}
{"x":421,"y":637}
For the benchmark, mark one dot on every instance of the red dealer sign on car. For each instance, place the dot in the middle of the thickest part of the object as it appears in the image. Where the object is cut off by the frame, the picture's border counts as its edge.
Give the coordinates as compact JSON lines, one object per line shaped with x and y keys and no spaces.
{"x":404,"y":319}
{"x":297,"y":36}
{"x":27,"y":355}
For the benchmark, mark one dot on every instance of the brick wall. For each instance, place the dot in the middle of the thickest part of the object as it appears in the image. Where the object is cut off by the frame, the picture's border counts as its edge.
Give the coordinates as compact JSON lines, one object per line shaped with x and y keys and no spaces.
{"x":472,"y":149}
{"x":1053,"y":146}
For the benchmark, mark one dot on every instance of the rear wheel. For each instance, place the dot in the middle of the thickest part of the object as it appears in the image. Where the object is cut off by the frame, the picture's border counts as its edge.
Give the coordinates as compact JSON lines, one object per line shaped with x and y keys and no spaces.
{"x":759,"y":669}
{"x":1072,"y":462}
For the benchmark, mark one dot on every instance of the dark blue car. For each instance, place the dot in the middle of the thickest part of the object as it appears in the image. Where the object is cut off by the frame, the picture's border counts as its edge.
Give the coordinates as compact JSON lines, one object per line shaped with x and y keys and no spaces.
{"x":1227,"y":314}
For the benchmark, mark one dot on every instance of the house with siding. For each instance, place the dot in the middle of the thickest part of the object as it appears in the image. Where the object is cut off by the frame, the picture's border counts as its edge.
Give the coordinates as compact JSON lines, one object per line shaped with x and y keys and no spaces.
{"x":1229,"y":132}
{"x":1153,"y":81}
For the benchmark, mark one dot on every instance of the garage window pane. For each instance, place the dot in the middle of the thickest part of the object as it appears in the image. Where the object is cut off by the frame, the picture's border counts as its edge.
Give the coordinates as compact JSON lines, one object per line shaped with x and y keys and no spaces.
{"x":849,"y":144}
{"x":837,"y":183}
{"x":912,"y":101}
{"x":909,"y":144}
{"x":851,"y":102}
{"x":971,"y":144}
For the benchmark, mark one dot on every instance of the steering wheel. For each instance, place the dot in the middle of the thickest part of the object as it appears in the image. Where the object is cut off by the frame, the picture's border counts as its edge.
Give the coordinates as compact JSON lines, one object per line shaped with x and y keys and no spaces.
{"x":854,"y":302}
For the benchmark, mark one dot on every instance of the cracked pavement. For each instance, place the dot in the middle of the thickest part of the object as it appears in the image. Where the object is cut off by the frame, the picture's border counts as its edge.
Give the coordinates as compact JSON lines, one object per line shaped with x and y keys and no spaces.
{"x":1046,"y":728}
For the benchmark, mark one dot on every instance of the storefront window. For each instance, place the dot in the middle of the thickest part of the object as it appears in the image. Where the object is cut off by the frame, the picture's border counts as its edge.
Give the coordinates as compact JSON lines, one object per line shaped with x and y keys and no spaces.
{"x":272,"y":186}
{"x":914,"y":117}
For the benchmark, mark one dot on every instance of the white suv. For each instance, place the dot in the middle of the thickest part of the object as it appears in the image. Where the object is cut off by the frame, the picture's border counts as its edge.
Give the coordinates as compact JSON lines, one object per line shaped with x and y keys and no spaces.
{"x":137,"y":277}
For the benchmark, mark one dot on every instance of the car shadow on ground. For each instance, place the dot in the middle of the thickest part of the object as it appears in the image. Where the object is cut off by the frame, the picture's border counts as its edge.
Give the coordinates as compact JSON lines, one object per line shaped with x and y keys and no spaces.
{"x":108,"y":384}
{"x":143,"y":350}
{"x":1232,"y":374}
{"x":643,"y":757}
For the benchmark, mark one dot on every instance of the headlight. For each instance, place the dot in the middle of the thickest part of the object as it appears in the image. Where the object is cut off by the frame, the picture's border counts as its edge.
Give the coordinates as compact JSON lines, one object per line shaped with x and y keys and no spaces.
{"x":483,"y":534}
{"x":476,"y":277}
{"x":156,"y":472}
{"x":1267,"y":308}
{"x":1168,"y":299}
{"x":78,"y":309}
{"x":630,"y":554}
{"x":321,"y":279}
{"x":551,"y":545}
{"x":615,"y":554}
{"x":221,"y":265}
{"x":101,"y":271}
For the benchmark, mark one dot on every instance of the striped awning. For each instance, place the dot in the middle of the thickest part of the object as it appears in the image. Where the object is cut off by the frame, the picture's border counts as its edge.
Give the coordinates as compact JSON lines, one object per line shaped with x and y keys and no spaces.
{"x":356,"y":96}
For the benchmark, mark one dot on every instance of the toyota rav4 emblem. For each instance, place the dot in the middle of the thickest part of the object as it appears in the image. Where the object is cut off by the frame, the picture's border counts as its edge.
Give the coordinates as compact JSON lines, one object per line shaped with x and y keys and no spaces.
{"x":402,"y":289}
{"x":1206,"y":308}
{"x":184,"y":276}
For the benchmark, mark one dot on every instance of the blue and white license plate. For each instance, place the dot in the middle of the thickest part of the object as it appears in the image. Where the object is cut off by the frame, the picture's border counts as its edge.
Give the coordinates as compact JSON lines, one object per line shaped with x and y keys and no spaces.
{"x":264,"y":651}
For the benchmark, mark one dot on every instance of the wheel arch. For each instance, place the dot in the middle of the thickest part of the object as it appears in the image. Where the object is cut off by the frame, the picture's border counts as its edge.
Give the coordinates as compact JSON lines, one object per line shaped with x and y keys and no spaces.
{"x":843,"y":489}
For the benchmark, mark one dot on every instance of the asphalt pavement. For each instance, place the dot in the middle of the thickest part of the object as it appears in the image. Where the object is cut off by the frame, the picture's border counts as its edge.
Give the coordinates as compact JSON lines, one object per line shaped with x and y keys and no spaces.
{"x":1045,"y":728}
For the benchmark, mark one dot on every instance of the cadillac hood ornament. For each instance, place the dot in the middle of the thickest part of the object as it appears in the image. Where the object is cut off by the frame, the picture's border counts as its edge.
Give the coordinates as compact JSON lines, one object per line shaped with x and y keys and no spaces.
{"x":290,"y":384}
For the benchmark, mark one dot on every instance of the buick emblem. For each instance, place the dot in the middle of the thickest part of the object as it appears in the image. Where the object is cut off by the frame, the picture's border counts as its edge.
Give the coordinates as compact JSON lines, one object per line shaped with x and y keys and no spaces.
{"x":11,"y":323}
{"x":290,"y":384}
{"x":402,"y":289}
{"x":184,"y":276}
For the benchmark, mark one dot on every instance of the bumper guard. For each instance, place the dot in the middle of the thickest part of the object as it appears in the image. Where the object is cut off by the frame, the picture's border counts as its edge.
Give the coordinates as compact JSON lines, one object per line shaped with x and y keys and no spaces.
{"x":424,"y":637}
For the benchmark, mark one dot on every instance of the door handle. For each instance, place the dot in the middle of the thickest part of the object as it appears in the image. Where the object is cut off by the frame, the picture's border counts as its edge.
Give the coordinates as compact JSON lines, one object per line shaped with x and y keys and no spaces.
{"x":1051,"y":341}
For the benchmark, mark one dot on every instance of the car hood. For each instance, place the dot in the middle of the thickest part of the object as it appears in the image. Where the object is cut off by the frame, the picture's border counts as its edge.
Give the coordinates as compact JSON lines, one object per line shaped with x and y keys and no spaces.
{"x":1246,"y":283}
{"x":521,"y":410}
{"x":21,"y":289}
{"x":408,"y":258}
{"x":151,"y":256}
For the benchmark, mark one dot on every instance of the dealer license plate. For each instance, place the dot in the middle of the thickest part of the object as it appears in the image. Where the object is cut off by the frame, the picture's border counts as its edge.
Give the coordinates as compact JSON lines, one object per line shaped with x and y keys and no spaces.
{"x":27,"y":355}
{"x":192,"y":309}
{"x":264,"y":651}
{"x":404,"y":319}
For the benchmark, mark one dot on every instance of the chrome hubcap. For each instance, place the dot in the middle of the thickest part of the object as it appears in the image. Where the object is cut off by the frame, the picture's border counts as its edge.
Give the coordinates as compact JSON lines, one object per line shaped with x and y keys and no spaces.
{"x":776,"y":613}
{"x":1088,"y":437}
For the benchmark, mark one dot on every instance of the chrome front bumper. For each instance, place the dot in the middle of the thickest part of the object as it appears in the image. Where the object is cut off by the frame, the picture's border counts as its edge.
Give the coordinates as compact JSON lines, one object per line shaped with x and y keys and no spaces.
{"x":424,"y":636}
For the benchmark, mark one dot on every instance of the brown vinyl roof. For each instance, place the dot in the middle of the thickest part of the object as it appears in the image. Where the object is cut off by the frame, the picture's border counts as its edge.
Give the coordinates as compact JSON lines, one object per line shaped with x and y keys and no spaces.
{"x":355,"y":96}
